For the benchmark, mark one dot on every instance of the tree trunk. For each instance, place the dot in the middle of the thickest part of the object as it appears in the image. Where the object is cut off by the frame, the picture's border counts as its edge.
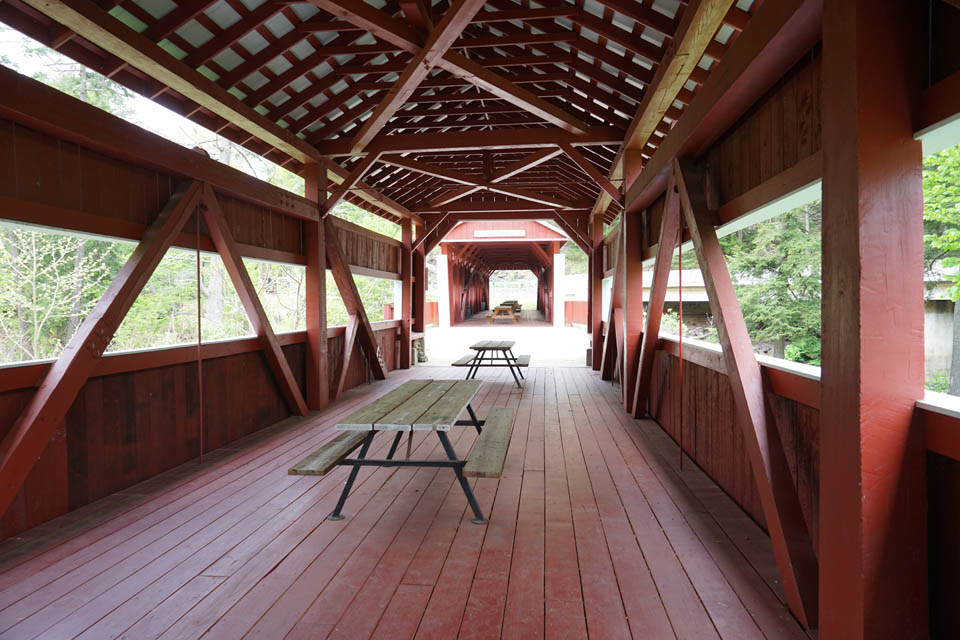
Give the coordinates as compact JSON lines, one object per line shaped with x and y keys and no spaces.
{"x":74,"y":320}
{"x":780,"y":348}
{"x":955,"y":358}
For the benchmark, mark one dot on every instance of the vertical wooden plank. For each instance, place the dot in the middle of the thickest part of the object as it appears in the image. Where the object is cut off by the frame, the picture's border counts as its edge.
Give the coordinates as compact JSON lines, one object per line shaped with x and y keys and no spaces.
{"x":873,"y":538}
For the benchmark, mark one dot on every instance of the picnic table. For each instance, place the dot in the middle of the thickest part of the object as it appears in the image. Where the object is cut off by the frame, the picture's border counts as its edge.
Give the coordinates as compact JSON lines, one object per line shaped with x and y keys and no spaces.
{"x":417,"y":405}
{"x":494,"y":353}
{"x":503,"y":311}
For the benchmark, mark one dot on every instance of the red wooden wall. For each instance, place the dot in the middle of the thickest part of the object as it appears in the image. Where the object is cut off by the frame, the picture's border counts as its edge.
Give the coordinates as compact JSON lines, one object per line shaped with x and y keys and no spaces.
{"x":131,"y":425}
{"x":575,"y":311}
{"x":712,"y":439}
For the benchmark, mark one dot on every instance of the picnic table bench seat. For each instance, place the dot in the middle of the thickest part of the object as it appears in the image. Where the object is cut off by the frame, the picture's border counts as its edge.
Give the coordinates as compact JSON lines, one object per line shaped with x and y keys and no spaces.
{"x":328,"y":455}
{"x":468,"y":360}
{"x":490,"y":450}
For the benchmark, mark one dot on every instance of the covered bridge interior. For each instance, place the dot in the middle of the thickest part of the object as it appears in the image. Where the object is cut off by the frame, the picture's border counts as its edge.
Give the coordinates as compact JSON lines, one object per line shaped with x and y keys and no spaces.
{"x":474,"y":250}
{"x":670,"y":490}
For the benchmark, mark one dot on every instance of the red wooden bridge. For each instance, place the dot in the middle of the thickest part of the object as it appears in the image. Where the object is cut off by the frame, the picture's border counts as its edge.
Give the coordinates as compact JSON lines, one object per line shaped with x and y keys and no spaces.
{"x":145,"y":494}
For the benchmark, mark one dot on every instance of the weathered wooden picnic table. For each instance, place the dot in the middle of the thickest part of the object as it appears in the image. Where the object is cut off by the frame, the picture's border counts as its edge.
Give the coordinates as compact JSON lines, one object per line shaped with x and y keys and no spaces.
{"x":503,"y":311}
{"x":417,"y":405}
{"x":494,"y":353}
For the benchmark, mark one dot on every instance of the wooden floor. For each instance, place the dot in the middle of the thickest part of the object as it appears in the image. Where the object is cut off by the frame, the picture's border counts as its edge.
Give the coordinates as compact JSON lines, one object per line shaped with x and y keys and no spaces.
{"x":593,"y":532}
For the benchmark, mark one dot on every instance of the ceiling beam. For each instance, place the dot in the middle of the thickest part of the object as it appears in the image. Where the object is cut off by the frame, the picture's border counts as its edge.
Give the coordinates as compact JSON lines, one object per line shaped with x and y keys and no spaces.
{"x":384,"y":27}
{"x":698,"y":25}
{"x":592,"y":171}
{"x":475,"y":140}
{"x":499,"y":205}
{"x":103,"y":30}
{"x":514,"y":168}
{"x":484,"y":185}
{"x":99,"y":27}
{"x":778,"y":35}
{"x":441,"y":38}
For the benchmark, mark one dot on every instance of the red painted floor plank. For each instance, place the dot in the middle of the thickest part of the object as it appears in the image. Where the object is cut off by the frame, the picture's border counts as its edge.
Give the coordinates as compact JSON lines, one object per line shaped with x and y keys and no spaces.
{"x":593,"y":531}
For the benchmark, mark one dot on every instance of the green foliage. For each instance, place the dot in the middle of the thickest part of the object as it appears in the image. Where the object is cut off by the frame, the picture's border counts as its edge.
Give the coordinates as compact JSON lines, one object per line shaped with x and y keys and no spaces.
{"x":806,"y":349}
{"x":48,"y":283}
{"x":776,"y":267}
{"x":576,"y":259}
{"x":81,"y":82}
{"x":938,"y":381}
{"x":358,"y":216}
{"x":941,"y":212}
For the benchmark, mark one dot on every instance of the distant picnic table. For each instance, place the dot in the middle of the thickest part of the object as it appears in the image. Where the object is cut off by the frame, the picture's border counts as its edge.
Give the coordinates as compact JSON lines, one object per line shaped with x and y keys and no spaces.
{"x":506,"y":311}
{"x":494,"y":353}
{"x":417,"y":405}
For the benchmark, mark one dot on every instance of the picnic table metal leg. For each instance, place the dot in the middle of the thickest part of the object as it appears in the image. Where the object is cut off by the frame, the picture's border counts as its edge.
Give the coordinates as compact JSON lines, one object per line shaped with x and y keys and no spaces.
{"x":476,"y":423}
{"x":336,"y":515}
{"x":464,"y":484}
{"x":514,"y":372}
{"x":472,"y":372}
{"x":396,"y":443}
{"x":519,"y":370}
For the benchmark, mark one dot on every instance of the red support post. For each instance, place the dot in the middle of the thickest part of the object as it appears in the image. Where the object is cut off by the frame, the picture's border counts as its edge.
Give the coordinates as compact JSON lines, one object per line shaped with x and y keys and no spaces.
{"x":873,"y":538}
{"x":788,"y":530}
{"x":406,"y":281}
{"x":632,"y":253}
{"x":596,"y":289}
{"x":233,"y":262}
{"x":314,"y":245}
{"x":419,"y":284}
{"x":29,"y":435}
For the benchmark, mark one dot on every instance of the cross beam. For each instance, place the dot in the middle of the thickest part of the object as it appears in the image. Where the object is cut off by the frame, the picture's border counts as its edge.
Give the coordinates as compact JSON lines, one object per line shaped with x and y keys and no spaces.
{"x":475,"y":184}
{"x":441,"y":38}
{"x":385,"y":27}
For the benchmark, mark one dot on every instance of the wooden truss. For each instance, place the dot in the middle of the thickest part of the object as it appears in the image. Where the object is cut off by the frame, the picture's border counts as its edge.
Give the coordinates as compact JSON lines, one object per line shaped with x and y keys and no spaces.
{"x":789,"y":533}
{"x":29,"y":435}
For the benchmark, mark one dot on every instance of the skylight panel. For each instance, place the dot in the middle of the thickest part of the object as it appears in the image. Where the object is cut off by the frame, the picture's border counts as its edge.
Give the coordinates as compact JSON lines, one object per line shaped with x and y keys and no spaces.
{"x":279,"y":64}
{"x":302,"y":49}
{"x":253,"y":42}
{"x":194,"y":33}
{"x":279,"y":25}
{"x":222,"y":14}
{"x":156,"y":8}
{"x":228,"y":59}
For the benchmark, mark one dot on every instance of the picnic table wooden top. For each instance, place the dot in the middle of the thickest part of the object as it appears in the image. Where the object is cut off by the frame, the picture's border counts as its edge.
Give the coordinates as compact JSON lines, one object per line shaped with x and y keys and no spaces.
{"x":493,"y":345}
{"x":416,"y":405}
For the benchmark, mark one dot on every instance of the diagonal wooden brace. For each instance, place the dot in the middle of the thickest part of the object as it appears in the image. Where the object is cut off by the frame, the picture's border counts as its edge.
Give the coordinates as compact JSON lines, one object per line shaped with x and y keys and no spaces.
{"x":669,"y":233}
{"x":351,"y":299}
{"x":29,"y":435}
{"x":223,"y":241}
{"x":789,"y":534}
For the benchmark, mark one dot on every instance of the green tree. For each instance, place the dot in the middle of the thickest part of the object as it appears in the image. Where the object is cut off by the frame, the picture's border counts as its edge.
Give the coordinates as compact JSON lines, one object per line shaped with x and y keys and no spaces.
{"x":941,"y":220}
{"x":775,"y":266}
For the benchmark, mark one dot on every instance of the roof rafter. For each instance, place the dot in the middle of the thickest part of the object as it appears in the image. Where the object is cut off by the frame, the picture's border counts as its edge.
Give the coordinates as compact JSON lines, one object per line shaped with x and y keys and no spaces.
{"x":462,"y":178}
{"x":441,"y":38}
{"x":385,"y":27}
